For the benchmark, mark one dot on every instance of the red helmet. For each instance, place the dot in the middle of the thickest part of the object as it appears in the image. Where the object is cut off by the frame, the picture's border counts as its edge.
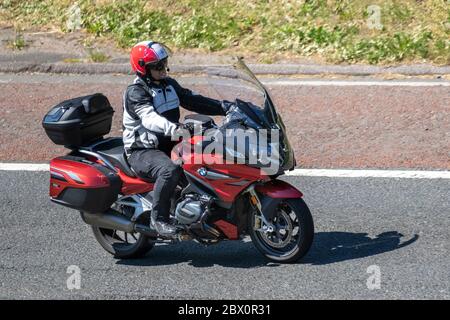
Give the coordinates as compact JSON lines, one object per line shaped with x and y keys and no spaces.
{"x":147,"y":52}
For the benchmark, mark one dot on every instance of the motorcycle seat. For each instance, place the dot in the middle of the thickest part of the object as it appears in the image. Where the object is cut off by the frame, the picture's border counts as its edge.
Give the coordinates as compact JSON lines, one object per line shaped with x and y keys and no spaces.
{"x":112,"y":150}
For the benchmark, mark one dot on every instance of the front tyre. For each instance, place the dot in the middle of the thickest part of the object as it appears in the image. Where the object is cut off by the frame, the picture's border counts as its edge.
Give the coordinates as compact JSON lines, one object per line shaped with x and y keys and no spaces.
{"x":292,"y":233}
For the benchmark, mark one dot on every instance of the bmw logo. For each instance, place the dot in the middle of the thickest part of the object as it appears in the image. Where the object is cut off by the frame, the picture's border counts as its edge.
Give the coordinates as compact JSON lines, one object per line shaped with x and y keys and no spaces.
{"x":202,"y":171}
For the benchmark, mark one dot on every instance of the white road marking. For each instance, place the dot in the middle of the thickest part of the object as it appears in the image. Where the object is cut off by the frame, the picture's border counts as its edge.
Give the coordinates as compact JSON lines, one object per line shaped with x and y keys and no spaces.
{"x":369,"y":173}
{"x":124,"y":79}
{"x":333,"y":173}
{"x":349,"y":83}
{"x":24,"y":167}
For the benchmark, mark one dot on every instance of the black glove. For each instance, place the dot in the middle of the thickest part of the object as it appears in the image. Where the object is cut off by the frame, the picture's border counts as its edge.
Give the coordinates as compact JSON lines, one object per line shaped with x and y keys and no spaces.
{"x":226,"y":105}
{"x":189,"y":126}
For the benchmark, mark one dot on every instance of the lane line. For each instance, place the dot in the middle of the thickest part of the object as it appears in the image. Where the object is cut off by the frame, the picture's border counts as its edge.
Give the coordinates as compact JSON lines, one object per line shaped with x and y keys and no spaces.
{"x":51,"y":78}
{"x":332,"y":173}
{"x":343,"y":83}
{"x":24,"y":167}
{"x":369,"y":173}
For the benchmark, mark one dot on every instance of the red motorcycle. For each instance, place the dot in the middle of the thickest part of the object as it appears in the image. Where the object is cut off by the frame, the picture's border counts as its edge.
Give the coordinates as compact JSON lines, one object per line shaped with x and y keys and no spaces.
{"x":216,"y":200}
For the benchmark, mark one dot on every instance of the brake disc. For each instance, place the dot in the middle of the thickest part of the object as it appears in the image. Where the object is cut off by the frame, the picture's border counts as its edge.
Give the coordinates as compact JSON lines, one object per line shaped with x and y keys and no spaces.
{"x":282,"y":235}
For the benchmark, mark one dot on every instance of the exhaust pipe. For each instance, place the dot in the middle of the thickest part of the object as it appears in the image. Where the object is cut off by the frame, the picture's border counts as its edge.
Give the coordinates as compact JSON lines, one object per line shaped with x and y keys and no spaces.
{"x":111,"y":219}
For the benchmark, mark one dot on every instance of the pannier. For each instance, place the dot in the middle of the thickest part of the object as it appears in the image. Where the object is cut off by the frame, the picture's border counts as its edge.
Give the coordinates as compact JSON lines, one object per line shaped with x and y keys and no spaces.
{"x":80,"y":184}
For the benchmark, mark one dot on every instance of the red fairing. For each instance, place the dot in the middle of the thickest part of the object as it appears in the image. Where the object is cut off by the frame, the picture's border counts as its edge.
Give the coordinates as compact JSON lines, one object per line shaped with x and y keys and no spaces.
{"x":238,"y":178}
{"x":66,"y":173}
{"x":230,"y":230}
{"x":234,"y":177}
{"x":279,"y":189}
{"x":133,"y":185}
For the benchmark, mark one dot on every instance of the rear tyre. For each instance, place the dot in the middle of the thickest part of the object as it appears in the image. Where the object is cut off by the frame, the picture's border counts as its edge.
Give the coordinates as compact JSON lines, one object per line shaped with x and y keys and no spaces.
{"x":122,"y":245}
{"x":293,"y":234}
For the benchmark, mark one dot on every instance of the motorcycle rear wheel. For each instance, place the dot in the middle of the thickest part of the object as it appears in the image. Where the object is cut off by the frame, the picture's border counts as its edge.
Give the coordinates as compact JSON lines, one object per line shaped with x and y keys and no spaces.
{"x":293,"y":234}
{"x":122,"y":245}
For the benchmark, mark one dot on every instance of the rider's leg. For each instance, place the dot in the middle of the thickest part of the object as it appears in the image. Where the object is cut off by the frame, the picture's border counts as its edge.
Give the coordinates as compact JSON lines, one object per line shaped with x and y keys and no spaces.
{"x":155,"y":164}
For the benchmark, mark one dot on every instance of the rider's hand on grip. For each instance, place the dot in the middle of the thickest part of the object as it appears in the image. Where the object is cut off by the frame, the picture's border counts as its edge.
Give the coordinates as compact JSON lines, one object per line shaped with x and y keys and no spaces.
{"x":226,"y":105}
{"x":187,"y":126}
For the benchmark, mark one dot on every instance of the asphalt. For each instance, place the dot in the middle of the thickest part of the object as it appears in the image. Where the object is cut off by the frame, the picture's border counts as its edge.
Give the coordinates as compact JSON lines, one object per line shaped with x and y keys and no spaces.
{"x":399,"y":225}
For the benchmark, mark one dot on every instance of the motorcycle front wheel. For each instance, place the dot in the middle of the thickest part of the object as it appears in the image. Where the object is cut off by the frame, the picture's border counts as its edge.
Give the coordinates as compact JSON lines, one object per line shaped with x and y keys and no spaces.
{"x":292,"y":233}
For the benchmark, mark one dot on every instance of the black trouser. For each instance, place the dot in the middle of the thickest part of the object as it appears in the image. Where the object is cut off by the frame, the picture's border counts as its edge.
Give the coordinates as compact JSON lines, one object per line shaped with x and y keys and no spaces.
{"x":156,"y":164}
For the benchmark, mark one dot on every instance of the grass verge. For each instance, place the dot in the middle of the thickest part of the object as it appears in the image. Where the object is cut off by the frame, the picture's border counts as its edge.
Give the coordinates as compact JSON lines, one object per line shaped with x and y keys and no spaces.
{"x":373,"y":31}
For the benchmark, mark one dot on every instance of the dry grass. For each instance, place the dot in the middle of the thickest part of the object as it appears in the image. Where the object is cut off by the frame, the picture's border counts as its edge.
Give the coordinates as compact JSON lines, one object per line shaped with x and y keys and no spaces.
{"x":333,"y":30}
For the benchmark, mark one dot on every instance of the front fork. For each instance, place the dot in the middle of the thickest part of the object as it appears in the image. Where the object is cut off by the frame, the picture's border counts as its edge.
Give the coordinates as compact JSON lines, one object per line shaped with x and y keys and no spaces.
{"x":261,"y":224}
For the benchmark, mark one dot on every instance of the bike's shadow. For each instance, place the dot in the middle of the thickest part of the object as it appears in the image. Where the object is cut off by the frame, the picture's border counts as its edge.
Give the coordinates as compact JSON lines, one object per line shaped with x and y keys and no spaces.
{"x":333,"y":247}
{"x":327,"y":248}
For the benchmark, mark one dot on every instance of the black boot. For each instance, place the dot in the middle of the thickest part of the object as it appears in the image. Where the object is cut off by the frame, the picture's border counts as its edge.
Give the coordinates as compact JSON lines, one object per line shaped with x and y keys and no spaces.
{"x":163,"y":227}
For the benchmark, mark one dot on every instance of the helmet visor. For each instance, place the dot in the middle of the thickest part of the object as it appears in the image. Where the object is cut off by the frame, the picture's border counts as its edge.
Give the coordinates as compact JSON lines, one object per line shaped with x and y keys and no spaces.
{"x":158,"y":66}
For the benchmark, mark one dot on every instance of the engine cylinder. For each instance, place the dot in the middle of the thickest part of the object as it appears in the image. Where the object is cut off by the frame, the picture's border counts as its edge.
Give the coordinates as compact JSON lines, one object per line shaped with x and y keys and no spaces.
{"x":189,"y":211}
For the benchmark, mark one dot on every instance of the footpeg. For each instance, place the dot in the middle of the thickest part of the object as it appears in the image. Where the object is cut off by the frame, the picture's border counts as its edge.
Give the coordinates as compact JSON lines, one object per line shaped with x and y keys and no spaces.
{"x":182,"y":236}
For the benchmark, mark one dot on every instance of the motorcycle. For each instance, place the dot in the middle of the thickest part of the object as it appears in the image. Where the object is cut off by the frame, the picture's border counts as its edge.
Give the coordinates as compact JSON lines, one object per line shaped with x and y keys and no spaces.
{"x":215,"y":200}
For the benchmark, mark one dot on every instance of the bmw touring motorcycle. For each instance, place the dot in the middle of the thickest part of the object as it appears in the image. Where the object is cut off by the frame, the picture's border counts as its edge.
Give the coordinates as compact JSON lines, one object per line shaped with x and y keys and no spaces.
{"x":216,"y":200}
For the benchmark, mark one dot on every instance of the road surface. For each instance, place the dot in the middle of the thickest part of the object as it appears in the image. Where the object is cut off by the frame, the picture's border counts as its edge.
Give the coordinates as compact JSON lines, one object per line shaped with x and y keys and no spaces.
{"x":398,"y":225}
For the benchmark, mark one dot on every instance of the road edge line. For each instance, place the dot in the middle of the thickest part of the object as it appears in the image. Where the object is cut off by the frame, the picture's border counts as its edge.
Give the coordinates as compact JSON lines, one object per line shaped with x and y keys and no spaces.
{"x":331,"y":173}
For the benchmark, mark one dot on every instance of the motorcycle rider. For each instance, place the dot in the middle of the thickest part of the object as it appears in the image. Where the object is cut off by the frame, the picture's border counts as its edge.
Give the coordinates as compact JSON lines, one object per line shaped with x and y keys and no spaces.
{"x":150,"y":118}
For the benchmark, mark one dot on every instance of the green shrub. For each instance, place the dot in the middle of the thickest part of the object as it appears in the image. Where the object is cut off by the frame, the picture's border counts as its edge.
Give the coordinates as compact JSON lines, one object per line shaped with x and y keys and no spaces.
{"x":336,"y":30}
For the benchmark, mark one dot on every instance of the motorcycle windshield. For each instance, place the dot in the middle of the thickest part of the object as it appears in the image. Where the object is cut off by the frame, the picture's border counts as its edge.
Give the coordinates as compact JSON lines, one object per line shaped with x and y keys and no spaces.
{"x":234,"y":80}
{"x":252,"y":107}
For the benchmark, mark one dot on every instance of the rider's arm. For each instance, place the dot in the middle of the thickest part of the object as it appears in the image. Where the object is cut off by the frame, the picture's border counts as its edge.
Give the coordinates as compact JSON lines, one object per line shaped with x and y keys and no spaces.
{"x":140,"y":103}
{"x":196,"y":102}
